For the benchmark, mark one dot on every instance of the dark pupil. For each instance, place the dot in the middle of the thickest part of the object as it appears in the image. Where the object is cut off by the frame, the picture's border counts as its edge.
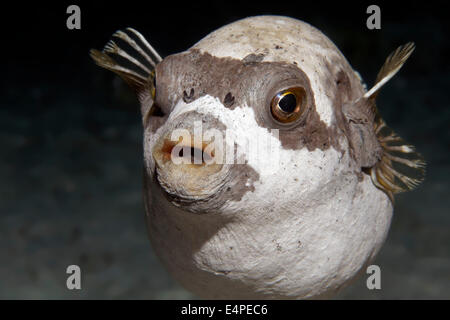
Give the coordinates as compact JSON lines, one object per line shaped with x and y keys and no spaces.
{"x":288,"y":103}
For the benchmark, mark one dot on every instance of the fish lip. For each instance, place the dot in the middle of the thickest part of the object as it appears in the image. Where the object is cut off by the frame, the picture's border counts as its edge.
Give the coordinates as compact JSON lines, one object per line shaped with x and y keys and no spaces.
{"x":197,"y":204}
{"x":177,"y":197}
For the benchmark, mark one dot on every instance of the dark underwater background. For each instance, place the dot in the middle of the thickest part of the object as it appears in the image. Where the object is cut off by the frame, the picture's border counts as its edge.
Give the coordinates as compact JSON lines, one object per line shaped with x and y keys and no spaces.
{"x":71,"y":145}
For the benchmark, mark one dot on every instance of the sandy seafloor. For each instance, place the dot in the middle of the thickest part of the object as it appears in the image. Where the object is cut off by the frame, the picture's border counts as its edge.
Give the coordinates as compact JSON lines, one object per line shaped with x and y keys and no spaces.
{"x":71,"y":192}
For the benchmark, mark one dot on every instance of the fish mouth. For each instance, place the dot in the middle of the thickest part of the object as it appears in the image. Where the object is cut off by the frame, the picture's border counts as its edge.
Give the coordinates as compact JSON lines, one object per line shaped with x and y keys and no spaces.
{"x":186,"y":175}
{"x":175,"y":151}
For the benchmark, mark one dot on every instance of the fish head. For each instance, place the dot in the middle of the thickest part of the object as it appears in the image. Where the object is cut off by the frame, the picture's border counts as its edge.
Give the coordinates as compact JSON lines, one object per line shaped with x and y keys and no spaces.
{"x":249,"y":107}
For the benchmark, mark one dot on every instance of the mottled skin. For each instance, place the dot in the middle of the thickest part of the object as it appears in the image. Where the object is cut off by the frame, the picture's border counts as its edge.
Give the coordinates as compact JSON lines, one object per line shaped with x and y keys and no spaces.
{"x":244,"y":231}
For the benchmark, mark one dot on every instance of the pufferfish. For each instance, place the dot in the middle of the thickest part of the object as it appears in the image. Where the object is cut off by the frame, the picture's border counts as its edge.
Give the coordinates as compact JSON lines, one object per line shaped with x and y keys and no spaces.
{"x":301,"y":229}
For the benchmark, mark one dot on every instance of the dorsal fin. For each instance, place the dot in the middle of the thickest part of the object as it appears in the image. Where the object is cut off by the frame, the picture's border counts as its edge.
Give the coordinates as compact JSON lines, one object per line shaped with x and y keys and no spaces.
{"x":391,"y":66}
{"x":400,"y":167}
{"x":136,"y":65}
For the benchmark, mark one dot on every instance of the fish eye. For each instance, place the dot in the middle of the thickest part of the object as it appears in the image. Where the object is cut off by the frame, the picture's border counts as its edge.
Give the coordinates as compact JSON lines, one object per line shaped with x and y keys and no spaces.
{"x":288,"y":105}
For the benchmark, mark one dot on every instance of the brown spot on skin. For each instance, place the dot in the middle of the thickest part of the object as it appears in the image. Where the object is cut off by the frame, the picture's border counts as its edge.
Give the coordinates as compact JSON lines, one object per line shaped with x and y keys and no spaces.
{"x":356,"y":120}
{"x":353,"y":117}
{"x":340,"y":91}
{"x":311,"y":133}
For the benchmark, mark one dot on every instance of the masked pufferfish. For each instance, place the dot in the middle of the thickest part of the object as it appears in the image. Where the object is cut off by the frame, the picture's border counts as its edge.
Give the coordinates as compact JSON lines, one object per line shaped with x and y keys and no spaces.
{"x":240,"y":230}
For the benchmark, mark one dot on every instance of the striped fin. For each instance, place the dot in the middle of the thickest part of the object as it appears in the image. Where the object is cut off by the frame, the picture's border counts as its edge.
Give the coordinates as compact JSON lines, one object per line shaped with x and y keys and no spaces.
{"x":401,"y":168}
{"x":135,"y":65}
{"x":391,"y":66}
